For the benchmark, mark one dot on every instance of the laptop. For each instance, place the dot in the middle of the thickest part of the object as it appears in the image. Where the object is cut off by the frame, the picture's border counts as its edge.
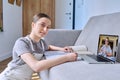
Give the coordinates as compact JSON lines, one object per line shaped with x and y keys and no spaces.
{"x":102,"y":57}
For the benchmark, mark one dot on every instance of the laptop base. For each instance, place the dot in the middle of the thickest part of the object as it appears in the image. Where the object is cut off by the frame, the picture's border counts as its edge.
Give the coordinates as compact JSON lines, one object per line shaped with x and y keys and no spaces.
{"x":93,"y":59}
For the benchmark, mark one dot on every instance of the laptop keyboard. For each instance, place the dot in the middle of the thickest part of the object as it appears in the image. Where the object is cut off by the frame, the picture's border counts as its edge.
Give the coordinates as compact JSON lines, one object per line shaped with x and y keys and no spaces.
{"x":93,"y":59}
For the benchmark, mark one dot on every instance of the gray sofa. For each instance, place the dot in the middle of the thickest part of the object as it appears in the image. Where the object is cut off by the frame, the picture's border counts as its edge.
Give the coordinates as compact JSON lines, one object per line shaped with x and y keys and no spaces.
{"x":80,"y":70}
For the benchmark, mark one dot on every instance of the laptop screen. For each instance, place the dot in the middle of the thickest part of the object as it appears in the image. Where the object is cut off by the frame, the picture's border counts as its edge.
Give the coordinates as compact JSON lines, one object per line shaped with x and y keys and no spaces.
{"x":107,"y":46}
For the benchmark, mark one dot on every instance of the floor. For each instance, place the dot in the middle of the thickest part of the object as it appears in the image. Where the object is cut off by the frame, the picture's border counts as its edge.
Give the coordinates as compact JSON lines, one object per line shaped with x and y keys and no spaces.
{"x":4,"y":63}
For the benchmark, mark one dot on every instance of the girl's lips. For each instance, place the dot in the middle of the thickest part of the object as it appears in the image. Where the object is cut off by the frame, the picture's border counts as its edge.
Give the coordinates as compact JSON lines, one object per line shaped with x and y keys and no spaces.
{"x":42,"y":33}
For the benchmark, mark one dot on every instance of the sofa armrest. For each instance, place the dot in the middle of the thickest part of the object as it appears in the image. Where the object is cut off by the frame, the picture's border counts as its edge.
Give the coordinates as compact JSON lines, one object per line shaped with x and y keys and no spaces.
{"x":62,"y":37}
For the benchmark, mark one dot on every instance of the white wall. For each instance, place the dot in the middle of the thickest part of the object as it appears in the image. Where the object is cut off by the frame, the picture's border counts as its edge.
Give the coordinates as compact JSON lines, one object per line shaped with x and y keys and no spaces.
{"x":63,"y":14}
{"x":88,"y":8}
{"x":12,"y":26}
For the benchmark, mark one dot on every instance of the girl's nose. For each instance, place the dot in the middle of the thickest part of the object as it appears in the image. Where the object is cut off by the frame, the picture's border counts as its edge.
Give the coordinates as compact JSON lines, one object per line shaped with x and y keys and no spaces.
{"x":45,"y":29}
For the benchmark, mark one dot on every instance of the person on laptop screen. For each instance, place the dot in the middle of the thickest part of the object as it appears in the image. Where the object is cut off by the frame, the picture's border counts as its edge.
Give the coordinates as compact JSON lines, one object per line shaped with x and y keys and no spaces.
{"x":106,"y":50}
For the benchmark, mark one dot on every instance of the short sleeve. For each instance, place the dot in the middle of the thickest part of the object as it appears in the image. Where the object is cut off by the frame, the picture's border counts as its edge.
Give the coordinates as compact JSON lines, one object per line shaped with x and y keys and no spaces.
{"x":22,"y":46}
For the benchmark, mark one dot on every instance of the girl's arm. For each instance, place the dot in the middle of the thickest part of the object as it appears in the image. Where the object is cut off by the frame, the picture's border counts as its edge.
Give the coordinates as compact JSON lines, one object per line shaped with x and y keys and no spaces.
{"x":38,"y":66}
{"x":65,"y":49}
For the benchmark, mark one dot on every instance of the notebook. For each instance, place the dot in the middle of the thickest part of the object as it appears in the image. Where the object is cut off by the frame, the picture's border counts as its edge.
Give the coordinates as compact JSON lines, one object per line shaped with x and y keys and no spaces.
{"x":104,"y":54}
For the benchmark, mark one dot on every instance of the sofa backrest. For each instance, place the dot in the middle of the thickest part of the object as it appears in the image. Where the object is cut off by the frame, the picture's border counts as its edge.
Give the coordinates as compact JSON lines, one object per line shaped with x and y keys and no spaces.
{"x":62,"y":37}
{"x":104,"y":24}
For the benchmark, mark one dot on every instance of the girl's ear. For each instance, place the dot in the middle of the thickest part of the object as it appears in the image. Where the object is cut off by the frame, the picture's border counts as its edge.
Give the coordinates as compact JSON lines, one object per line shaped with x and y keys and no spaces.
{"x":32,"y":24}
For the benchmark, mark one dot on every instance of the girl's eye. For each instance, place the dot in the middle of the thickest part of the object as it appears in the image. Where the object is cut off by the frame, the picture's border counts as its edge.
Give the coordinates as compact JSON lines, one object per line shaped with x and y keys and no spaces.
{"x":48,"y":27}
{"x":43,"y":25}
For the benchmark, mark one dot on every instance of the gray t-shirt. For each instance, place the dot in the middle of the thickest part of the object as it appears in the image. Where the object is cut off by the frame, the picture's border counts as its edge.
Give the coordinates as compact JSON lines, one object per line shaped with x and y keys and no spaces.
{"x":26,"y":45}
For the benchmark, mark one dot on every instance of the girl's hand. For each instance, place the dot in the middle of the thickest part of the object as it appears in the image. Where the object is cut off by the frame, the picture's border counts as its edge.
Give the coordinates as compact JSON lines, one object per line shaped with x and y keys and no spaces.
{"x":72,"y":56}
{"x":67,"y":49}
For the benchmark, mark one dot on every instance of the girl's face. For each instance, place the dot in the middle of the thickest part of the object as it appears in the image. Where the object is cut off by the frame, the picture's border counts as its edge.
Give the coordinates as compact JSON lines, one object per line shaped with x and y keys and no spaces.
{"x":41,"y":27}
{"x":106,"y":41}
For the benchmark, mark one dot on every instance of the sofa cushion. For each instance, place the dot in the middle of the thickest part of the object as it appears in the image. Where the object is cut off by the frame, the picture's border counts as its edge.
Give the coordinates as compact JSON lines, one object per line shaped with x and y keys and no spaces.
{"x":60,"y":37}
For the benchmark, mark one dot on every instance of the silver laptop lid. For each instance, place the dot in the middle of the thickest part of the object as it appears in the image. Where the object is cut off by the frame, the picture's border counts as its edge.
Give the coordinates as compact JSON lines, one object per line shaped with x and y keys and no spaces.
{"x":118,"y":53}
